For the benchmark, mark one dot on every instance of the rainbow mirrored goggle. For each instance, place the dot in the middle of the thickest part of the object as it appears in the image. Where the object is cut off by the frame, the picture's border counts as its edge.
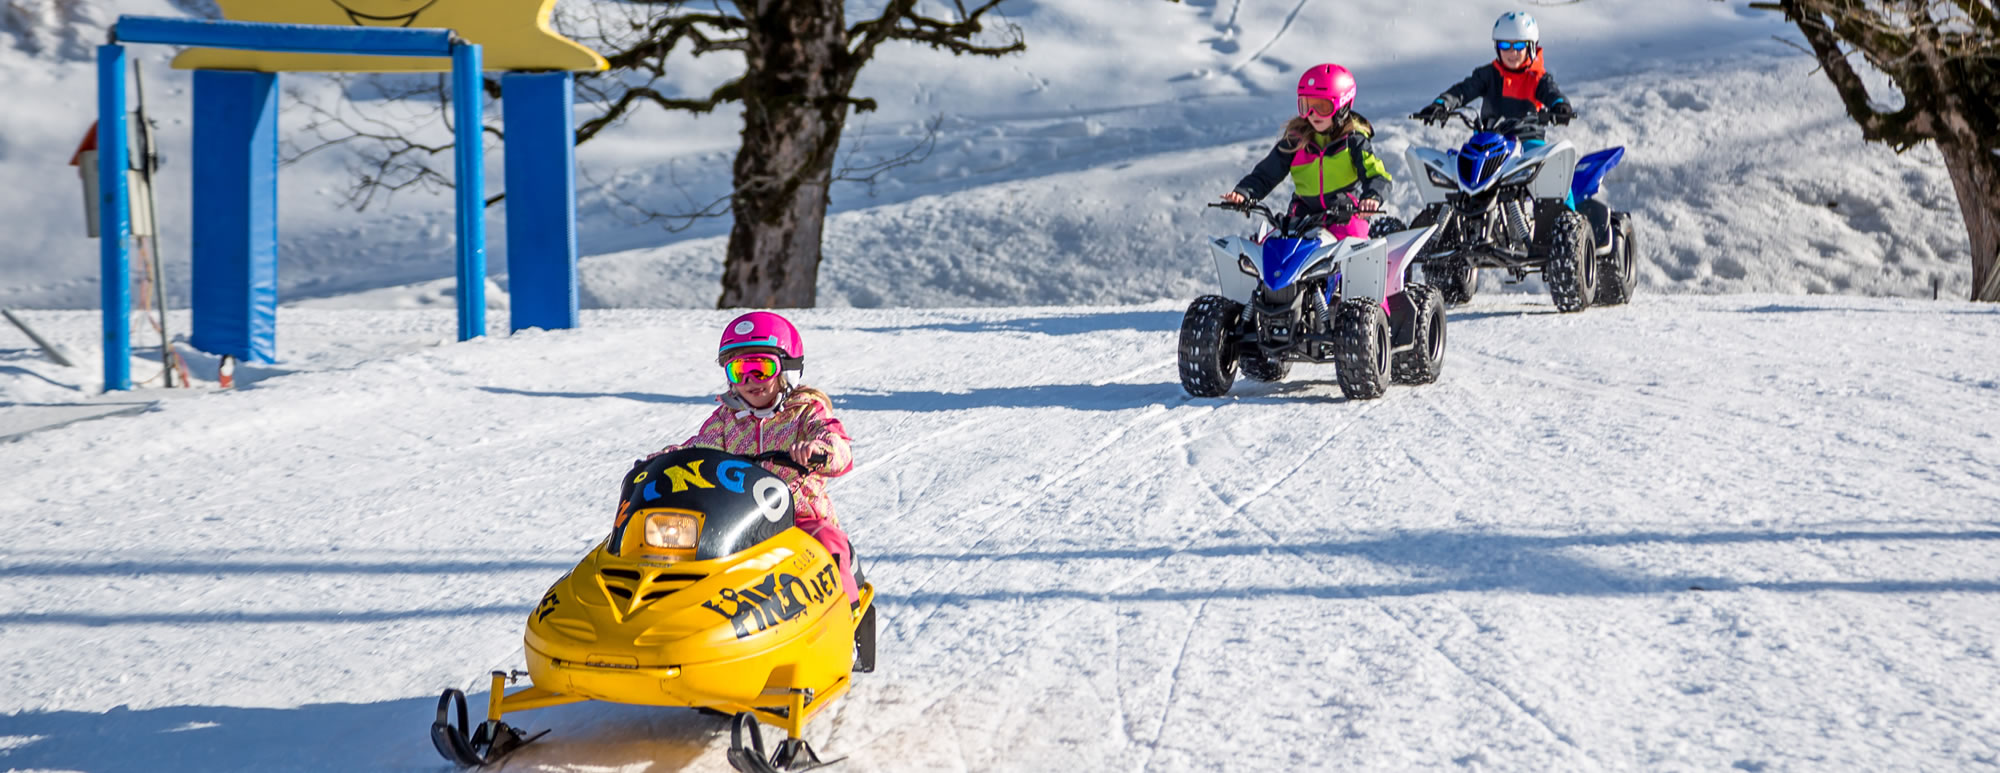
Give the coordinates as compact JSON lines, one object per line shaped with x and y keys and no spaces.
{"x":751,"y":367}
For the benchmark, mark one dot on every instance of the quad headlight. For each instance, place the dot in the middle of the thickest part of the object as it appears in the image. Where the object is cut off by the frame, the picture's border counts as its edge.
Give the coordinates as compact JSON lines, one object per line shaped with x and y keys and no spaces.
{"x":1522,"y":176}
{"x":1439,"y":178}
{"x":1244,"y":265}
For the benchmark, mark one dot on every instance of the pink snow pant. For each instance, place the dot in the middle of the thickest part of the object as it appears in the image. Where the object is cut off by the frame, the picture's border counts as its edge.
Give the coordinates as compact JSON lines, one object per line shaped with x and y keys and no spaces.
{"x":835,"y":541}
{"x":1355,"y":228}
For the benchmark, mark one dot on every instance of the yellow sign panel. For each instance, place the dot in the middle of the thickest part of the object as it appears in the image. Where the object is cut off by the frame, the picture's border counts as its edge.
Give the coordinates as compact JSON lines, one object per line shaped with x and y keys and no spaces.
{"x":513,"y":35}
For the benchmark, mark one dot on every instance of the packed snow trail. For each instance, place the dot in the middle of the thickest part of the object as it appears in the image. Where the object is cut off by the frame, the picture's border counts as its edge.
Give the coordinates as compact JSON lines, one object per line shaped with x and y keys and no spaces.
{"x":1690,"y":532}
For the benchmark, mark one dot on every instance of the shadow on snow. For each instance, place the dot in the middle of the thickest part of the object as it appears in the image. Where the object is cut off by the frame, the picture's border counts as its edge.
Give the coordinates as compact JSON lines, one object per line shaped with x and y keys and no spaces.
{"x":1457,"y":562}
{"x":390,"y":735}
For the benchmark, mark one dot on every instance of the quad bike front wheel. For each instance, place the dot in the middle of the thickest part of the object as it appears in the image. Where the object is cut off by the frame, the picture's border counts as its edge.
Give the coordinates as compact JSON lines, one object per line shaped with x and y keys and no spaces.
{"x":1208,"y":346}
{"x":1362,"y":357}
{"x":1455,"y":278}
{"x":1571,"y":268}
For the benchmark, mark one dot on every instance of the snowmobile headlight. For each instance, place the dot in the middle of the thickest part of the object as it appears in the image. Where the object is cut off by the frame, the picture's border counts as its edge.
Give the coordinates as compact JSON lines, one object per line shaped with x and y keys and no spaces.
{"x":1439,"y":179}
{"x":1522,"y":176}
{"x":672,"y":531}
{"x":1244,"y":265}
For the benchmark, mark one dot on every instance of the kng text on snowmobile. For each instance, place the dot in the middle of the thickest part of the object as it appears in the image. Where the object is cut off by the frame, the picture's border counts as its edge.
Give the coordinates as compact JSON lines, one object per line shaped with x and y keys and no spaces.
{"x":1294,"y":293}
{"x":1498,"y":205}
{"x":705,"y":595}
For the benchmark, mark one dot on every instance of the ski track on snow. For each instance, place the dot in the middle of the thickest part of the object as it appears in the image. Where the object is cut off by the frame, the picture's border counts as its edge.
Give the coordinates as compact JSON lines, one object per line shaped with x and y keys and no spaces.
{"x":1075,"y":472}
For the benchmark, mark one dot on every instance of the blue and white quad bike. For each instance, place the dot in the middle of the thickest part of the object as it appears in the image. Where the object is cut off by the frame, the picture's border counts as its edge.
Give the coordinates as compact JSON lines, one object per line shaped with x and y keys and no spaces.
{"x":1293,"y":293}
{"x":1498,"y":205}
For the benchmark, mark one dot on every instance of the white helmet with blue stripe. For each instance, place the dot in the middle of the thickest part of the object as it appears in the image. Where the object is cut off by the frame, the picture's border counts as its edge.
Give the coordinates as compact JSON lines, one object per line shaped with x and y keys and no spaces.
{"x":1515,"y":25}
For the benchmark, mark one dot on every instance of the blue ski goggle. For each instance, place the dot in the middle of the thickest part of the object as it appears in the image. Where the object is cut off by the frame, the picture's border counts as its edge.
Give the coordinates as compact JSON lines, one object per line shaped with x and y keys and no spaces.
{"x":1513,"y":45}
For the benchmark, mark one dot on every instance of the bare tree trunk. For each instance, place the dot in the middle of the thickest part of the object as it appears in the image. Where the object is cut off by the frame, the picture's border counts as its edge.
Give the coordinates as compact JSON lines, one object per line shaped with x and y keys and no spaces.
{"x":794,"y":107}
{"x":1975,"y":175}
{"x":1944,"y":67}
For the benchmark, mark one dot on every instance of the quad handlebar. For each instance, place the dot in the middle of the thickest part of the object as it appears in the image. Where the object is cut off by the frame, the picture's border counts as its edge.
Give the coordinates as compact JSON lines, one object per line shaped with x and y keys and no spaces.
{"x":1339,"y":210}
{"x":1495,"y":124}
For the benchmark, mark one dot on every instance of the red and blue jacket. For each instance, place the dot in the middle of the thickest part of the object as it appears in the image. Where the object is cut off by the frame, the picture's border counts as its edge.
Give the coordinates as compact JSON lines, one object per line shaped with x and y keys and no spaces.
{"x":1504,"y":93}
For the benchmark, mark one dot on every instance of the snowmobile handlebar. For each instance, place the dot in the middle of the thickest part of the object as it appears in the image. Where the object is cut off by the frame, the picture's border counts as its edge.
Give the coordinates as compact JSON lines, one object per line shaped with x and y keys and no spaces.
{"x":784,"y":459}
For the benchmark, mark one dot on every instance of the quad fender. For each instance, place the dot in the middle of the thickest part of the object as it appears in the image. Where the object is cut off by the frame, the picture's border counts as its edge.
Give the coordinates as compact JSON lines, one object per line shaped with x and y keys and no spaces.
{"x":1590,"y":171}
{"x":1365,"y":271}
{"x":1558,"y":167}
{"x":1421,"y":158}
{"x":1228,"y":252}
{"x":1404,"y":249}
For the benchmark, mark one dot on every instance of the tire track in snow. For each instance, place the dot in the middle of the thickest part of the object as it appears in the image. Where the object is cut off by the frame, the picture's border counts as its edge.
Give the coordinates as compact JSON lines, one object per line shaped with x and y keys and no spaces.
{"x":1235,"y":510}
{"x":1275,"y":37}
{"x":1174,"y":678}
{"x":1065,"y":614}
{"x":927,"y":438}
{"x":1013,"y":508}
{"x":1508,"y":697}
{"x":1511,"y":697}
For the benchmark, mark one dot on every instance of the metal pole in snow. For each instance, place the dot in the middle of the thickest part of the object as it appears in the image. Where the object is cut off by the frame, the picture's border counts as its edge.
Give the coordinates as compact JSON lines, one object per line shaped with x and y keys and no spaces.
{"x":467,"y":81}
{"x":114,"y":218}
{"x":148,"y":161}
{"x":57,"y":352}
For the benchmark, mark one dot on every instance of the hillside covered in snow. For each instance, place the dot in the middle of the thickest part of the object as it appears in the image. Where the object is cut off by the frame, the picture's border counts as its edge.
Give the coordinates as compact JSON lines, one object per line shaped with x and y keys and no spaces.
{"x":1075,"y":173}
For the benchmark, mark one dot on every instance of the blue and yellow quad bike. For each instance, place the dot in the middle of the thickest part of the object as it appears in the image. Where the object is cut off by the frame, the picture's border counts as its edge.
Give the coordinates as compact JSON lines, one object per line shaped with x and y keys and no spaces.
{"x":706,"y":595}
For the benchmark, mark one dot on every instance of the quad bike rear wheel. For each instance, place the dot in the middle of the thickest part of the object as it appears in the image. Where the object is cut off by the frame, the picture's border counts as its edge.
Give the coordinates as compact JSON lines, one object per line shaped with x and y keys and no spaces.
{"x":1618,"y":272}
{"x":1424,"y":332}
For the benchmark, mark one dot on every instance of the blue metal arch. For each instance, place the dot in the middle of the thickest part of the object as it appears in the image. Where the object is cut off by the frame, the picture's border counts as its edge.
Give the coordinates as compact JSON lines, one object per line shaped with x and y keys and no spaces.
{"x":114,"y":198}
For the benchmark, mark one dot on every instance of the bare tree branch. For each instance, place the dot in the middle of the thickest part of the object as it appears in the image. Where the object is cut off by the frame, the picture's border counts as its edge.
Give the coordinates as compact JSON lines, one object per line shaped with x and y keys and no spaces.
{"x":954,"y":37}
{"x":1899,"y":129}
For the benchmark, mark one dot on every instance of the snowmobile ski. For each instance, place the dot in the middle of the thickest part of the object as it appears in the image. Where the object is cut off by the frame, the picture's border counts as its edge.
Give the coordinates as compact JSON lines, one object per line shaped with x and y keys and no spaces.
{"x":493,"y":740}
{"x":792,"y":756}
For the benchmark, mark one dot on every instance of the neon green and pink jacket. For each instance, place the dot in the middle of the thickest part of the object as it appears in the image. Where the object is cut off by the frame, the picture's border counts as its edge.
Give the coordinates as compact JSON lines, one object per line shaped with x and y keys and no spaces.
{"x":1320,"y":166}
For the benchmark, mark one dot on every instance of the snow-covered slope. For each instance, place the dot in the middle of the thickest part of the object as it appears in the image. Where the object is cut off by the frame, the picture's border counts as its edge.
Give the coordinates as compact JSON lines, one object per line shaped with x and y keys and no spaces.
{"x":1749,"y":532}
{"x":1074,"y":173}
{"x":1714,"y":529}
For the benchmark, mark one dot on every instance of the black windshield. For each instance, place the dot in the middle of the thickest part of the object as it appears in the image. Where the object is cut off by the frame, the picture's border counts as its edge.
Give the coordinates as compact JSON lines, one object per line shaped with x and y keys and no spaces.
{"x":742,"y":504}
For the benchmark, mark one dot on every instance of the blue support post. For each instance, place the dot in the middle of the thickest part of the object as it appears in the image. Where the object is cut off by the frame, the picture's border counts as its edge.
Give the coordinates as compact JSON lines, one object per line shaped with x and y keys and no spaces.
{"x":235,"y":214}
{"x":541,"y":199}
{"x":114,"y":218}
{"x":470,"y":181}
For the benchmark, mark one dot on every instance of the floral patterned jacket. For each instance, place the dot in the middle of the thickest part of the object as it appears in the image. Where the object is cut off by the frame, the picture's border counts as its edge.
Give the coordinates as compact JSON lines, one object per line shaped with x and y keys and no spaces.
{"x":805,"y":414}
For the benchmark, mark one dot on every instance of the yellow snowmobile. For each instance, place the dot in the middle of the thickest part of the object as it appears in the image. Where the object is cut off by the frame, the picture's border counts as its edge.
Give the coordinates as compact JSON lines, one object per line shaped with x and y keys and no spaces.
{"x":705,"y":595}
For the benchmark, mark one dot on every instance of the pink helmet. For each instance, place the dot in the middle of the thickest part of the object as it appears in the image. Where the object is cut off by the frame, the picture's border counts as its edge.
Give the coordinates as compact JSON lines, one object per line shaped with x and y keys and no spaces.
{"x":1328,"y":81}
{"x":763,"y":331}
